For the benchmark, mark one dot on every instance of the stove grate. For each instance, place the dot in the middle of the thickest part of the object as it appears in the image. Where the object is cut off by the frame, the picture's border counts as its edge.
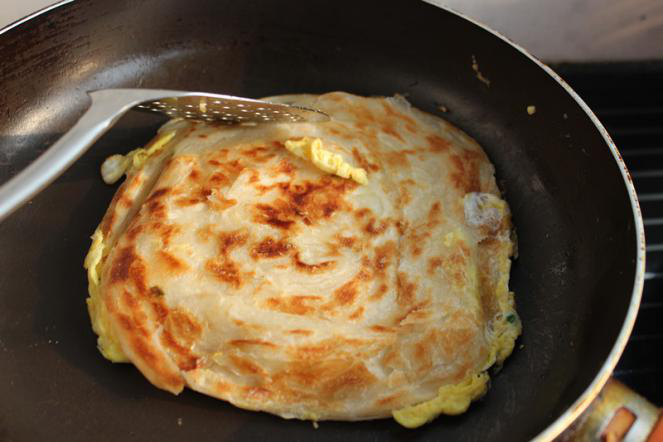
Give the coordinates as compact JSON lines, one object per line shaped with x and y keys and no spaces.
{"x":628,"y":98}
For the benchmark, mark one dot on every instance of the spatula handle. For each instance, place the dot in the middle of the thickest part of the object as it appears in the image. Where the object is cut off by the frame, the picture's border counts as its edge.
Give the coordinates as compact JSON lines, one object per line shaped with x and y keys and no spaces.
{"x":100,"y":116}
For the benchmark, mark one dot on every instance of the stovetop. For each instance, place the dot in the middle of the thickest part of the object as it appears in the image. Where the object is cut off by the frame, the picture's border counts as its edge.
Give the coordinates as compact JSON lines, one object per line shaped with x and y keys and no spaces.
{"x":628,"y":99}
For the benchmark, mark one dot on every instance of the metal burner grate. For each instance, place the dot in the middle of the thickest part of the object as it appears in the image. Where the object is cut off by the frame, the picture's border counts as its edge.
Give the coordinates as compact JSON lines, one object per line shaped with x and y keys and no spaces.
{"x":628,"y":99}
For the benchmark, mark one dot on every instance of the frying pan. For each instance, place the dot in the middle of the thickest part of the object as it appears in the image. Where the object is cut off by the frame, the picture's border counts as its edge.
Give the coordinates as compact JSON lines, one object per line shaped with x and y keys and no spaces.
{"x":578,"y":277}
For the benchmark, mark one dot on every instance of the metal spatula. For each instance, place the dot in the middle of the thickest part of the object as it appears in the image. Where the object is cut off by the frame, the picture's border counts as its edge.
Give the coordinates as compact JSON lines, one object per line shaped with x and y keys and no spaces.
{"x":108,"y":105}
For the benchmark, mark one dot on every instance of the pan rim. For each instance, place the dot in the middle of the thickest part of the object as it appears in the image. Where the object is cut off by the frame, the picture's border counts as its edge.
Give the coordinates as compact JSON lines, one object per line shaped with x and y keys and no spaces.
{"x":35,"y":14}
{"x":584,"y":400}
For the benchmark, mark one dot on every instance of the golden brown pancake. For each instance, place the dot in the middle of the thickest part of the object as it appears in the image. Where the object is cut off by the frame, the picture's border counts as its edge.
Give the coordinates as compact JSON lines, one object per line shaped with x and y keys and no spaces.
{"x":234,"y":266}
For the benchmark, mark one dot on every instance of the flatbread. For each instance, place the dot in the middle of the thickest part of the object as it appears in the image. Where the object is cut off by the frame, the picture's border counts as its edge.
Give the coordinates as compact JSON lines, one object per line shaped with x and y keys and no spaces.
{"x":228,"y":264}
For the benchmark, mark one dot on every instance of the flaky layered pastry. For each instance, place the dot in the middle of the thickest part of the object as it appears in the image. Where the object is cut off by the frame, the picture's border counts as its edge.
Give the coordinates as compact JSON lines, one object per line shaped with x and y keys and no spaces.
{"x":350,"y":270}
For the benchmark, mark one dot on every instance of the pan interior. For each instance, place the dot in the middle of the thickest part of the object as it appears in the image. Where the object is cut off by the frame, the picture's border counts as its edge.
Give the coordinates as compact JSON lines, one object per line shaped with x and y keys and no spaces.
{"x":573,"y":278}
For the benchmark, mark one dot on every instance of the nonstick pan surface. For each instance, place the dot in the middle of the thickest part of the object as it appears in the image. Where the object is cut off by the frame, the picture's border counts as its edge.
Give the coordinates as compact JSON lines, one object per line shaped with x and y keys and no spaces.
{"x":577,"y":278}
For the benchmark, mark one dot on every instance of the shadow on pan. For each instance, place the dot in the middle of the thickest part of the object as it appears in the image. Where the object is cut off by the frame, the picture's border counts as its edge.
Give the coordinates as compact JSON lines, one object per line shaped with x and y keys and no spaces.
{"x":577,"y":243}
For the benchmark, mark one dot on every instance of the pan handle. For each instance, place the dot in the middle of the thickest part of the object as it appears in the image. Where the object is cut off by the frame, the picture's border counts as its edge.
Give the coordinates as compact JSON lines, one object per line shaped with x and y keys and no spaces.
{"x":52,"y":163}
{"x":617,"y":414}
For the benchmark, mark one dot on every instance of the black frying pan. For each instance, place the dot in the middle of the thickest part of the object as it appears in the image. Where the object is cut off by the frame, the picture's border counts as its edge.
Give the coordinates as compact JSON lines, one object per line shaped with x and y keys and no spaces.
{"x":578,"y":277}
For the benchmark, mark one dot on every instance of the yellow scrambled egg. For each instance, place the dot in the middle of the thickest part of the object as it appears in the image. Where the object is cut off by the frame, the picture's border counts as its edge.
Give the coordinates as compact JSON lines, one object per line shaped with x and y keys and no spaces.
{"x":311,"y":149}
{"x":484,"y":209}
{"x":116,"y":165}
{"x":107,"y":343}
{"x":451,"y":399}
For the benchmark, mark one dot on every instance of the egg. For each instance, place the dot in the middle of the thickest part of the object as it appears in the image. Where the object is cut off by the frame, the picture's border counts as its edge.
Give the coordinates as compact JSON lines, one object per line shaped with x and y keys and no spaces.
{"x":117,"y":165}
{"x":312,"y":149}
{"x":107,"y":343}
{"x":451,"y":400}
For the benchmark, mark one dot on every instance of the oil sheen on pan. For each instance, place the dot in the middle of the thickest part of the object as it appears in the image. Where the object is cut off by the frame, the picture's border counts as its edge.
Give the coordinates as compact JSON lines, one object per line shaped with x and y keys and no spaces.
{"x":348,"y":270}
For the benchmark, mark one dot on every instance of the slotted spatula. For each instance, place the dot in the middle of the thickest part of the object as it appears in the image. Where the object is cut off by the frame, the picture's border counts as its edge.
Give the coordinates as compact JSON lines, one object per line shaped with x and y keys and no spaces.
{"x":106,"y":108}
